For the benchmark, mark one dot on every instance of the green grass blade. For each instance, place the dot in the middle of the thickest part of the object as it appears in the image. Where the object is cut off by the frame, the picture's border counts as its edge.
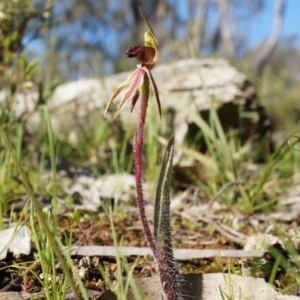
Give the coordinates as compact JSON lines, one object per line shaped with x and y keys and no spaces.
{"x":50,"y":233}
{"x":276,"y":158}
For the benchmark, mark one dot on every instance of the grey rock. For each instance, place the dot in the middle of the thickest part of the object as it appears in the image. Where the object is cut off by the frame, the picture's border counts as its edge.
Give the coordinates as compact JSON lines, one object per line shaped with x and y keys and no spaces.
{"x":185,"y":87}
{"x":213,"y":286}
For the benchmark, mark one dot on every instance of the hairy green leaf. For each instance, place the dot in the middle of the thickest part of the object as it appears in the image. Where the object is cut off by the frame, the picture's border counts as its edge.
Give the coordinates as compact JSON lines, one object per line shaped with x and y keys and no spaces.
{"x":162,"y":229}
{"x":162,"y":202}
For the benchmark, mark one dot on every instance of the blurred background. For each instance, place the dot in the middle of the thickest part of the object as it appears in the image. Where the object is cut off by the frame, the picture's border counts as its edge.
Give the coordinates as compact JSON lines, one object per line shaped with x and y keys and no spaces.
{"x":72,"y":39}
{"x":46,"y":43}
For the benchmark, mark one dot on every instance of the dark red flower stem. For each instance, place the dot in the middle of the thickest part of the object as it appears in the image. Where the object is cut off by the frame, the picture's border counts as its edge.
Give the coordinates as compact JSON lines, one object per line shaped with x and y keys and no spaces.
{"x":138,"y":162}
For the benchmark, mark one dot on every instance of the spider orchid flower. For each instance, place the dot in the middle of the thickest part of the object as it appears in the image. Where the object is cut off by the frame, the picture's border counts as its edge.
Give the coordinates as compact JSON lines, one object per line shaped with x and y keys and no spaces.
{"x":137,"y":83}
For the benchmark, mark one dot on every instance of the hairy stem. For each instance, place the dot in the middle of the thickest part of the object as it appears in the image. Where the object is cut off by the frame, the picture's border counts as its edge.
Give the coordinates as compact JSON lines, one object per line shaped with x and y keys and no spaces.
{"x":138,"y":162}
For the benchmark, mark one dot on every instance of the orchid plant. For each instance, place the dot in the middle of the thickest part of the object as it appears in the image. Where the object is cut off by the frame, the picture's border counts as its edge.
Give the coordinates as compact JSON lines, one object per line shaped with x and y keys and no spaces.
{"x":137,"y":90}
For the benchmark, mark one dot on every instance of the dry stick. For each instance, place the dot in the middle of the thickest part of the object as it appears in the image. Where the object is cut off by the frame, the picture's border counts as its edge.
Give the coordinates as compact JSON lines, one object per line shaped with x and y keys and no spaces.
{"x":228,"y":232}
{"x":179,"y":254}
{"x":221,"y":191}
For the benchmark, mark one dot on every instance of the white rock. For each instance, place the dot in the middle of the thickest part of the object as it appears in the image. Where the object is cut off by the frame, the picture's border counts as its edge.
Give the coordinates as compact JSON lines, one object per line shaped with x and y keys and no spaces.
{"x":15,"y":240}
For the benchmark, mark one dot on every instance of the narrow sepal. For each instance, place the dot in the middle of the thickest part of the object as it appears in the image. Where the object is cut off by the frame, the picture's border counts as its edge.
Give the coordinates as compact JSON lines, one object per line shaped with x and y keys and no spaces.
{"x":118,"y":91}
{"x":150,"y":39}
{"x":130,"y":92}
{"x":150,"y":42}
{"x":155,"y":89}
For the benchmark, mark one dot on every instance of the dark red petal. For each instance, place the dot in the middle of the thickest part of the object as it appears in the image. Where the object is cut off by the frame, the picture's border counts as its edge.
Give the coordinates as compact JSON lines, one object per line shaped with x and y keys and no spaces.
{"x":144,"y":54}
{"x":133,"y":51}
